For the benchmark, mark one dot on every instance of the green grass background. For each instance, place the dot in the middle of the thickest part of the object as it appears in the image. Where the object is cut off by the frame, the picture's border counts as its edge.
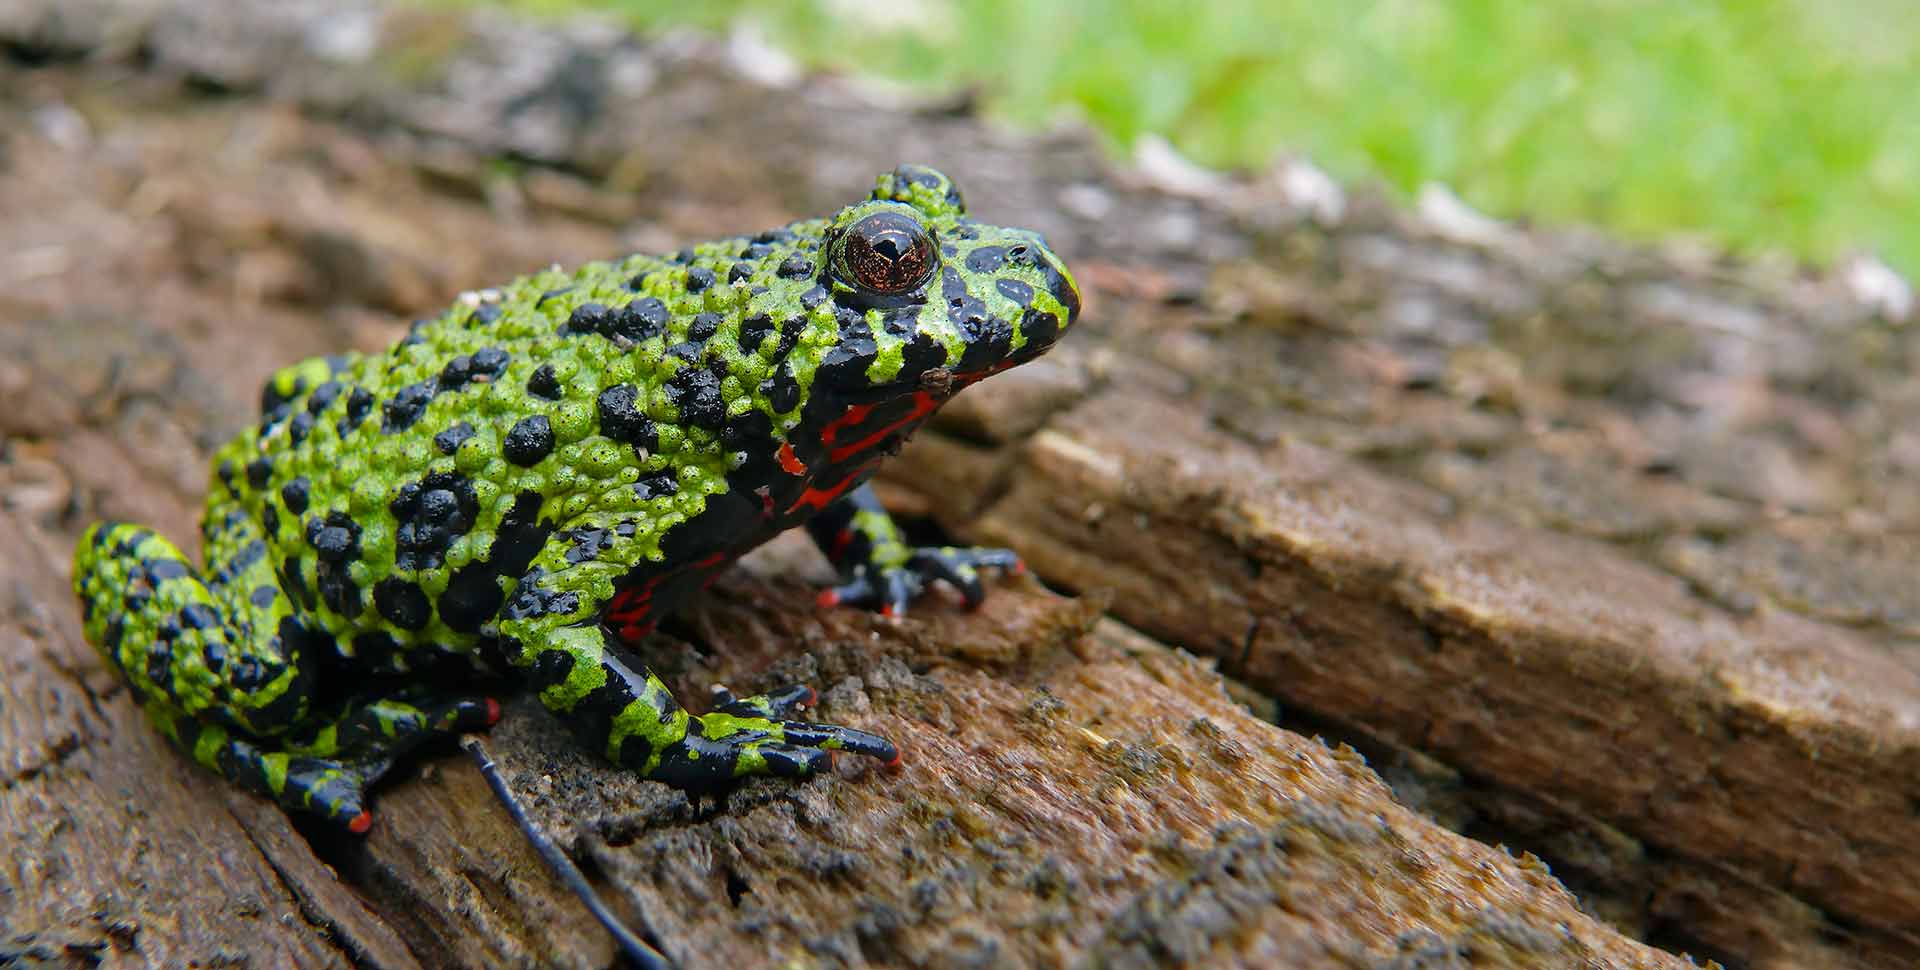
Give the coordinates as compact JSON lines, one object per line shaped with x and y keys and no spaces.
{"x":1789,"y":125}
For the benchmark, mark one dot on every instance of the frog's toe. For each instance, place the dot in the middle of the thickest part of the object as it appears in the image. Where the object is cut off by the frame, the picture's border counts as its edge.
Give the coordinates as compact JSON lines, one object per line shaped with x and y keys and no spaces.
{"x":722,"y":747}
{"x":885,"y":591}
{"x":836,"y":738}
{"x":773,"y":706}
{"x":961,"y":566}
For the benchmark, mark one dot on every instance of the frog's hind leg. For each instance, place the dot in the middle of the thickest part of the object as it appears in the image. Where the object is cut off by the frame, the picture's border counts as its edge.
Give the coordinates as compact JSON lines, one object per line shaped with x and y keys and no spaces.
{"x":223,"y":664}
{"x":325,"y":769}
{"x":228,"y":651}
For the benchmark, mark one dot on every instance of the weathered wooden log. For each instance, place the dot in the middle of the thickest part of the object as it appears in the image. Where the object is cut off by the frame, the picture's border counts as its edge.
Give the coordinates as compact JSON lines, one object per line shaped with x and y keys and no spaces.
{"x":1596,"y":551}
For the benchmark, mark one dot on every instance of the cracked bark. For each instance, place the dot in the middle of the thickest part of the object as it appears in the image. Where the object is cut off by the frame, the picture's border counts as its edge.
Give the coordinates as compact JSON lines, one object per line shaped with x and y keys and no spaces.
{"x":1594,"y":551}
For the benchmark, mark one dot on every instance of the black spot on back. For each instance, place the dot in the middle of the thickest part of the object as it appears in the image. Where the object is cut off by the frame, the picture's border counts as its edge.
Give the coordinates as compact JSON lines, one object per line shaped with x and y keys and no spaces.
{"x":359,"y":405}
{"x":696,"y":392}
{"x":402,"y":603}
{"x":473,"y":595}
{"x":400,"y":411}
{"x":295,"y":494}
{"x":450,"y":440}
{"x":986,"y":259}
{"x":621,"y":420}
{"x":431,"y":514}
{"x":543,"y":382}
{"x":529,"y":441}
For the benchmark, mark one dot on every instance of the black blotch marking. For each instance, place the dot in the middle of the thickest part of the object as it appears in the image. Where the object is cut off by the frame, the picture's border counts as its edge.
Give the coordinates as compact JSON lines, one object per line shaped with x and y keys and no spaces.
{"x":484,"y":314}
{"x":473,"y":595}
{"x":638,"y":283}
{"x":774,"y":236}
{"x":1061,"y":290}
{"x":293,"y":579}
{"x":263,"y":597}
{"x":336,"y":542}
{"x":698,"y":279}
{"x":359,"y":405}
{"x":259,"y":473}
{"x":198,"y":616}
{"x":586,"y":318}
{"x":270,"y":520}
{"x":549,"y":667}
{"x":846,"y":364}
{"x":921,"y":354}
{"x":335,"y":538}
{"x":696,"y":392}
{"x":300,"y":427}
{"x":740,"y":273}
{"x":550,"y":294}
{"x":543,"y":382}
{"x":754,"y":331}
{"x":431,"y":514}
{"x":621,"y":420}
{"x":530,"y":600}
{"x":402,"y":603}
{"x":683,"y":257}
{"x":1041,"y":329}
{"x":703,"y":327}
{"x":1015,"y":290}
{"x":529,"y":441}
{"x":481,"y":366}
{"x":450,"y":440}
{"x":795,"y":267}
{"x":791,"y":330}
{"x":227,"y":475}
{"x":400,"y":411}
{"x":656,"y":485}
{"x":160,"y":570}
{"x":986,"y":259}
{"x":781,"y":390}
{"x":727,"y":518}
{"x":587,"y":543}
{"x":814,"y":297}
{"x":323,"y":397}
{"x":640,"y":319}
{"x":295,"y":495}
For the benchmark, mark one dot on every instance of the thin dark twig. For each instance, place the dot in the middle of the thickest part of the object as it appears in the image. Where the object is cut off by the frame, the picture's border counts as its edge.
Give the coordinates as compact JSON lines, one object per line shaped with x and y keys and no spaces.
{"x":636,"y":949}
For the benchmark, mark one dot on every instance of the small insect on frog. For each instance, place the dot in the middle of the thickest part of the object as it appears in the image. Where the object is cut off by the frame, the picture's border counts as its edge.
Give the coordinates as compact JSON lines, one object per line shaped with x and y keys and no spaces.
{"x":524,"y":485}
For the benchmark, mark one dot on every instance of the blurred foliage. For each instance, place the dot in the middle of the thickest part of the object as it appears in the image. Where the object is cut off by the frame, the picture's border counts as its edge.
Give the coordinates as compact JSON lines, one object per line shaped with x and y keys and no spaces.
{"x":1789,"y":124}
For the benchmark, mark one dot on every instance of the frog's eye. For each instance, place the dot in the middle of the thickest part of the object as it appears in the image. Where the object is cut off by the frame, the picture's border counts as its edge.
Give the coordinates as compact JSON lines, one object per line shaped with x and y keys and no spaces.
{"x":888,"y":253}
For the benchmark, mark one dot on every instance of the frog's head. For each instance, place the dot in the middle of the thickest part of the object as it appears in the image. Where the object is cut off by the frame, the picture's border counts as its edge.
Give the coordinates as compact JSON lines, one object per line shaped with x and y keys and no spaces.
{"x":926,"y":300}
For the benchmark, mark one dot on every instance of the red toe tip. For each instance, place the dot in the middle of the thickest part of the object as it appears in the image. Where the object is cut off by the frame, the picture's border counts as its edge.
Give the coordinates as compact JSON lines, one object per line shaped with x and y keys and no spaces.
{"x":889,"y":610}
{"x":828,"y":597}
{"x":812,"y":696}
{"x":1019,"y":567}
{"x":493,"y":712}
{"x":898,"y":757}
{"x":360,"y":823}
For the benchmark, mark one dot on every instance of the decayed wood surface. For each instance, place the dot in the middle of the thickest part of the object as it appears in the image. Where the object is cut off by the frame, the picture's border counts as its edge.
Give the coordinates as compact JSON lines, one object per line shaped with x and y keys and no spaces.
{"x":1599,"y":552}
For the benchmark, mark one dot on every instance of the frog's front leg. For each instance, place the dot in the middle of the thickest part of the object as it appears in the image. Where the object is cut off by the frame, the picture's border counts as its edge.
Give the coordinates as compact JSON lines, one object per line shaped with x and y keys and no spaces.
{"x":877,"y":567}
{"x":551,"y":629}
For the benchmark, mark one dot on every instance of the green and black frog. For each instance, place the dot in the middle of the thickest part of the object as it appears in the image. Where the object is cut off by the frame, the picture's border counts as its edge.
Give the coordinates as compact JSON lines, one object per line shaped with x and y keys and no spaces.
{"x":522,"y":486}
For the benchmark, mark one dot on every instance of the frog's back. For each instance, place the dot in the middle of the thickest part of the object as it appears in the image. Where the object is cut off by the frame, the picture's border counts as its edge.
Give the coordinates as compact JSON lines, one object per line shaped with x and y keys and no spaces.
{"x":398,"y":490}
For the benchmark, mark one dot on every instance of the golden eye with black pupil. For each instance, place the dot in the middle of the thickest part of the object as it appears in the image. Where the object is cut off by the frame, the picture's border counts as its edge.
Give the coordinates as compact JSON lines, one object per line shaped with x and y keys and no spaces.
{"x":888,"y":253}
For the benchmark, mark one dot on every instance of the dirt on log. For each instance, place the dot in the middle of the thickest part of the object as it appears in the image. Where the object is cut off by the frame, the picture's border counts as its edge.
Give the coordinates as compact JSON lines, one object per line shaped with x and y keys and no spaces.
{"x":1596,"y":551}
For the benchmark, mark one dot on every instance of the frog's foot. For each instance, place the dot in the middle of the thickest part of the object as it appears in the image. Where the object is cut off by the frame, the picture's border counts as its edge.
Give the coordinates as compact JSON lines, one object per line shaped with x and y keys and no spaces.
{"x":749,"y":736}
{"x":888,"y":589}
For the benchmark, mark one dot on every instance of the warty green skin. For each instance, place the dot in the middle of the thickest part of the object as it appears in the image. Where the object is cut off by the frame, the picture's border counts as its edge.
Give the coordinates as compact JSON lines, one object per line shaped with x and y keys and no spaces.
{"x":525,"y":484}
